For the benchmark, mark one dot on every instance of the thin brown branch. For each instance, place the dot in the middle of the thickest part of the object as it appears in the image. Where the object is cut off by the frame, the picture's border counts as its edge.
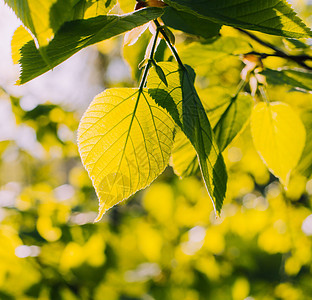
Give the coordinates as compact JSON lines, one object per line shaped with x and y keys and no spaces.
{"x":298,"y":59}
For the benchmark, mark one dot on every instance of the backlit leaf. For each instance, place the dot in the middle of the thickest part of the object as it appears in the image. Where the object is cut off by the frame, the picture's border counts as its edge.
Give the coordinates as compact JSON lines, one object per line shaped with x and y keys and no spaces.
{"x":181,"y":100}
{"x":44,"y":17}
{"x":20,"y":38}
{"x":76,"y":35}
{"x":125,"y":141}
{"x":305,"y":163}
{"x":197,"y":53}
{"x":233,"y":119}
{"x":279,"y":137}
{"x":267,"y":16}
{"x":184,"y":159}
{"x":227,"y":116}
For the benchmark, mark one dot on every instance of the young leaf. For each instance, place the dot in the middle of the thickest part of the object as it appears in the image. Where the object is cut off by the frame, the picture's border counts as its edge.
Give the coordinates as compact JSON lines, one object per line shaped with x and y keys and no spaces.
{"x":180,"y":99}
{"x":233,"y":120}
{"x":270,"y":16}
{"x":76,"y":35}
{"x":160,"y":73}
{"x":169,"y":34}
{"x":124,"y":141}
{"x":279,"y":137}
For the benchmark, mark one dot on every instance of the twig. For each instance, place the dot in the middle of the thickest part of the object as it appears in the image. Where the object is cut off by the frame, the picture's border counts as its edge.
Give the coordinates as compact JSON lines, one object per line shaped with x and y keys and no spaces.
{"x":298,"y":59}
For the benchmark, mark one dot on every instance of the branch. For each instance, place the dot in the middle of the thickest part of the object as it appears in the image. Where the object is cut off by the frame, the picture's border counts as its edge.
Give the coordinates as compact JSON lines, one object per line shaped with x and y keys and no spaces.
{"x":298,"y":59}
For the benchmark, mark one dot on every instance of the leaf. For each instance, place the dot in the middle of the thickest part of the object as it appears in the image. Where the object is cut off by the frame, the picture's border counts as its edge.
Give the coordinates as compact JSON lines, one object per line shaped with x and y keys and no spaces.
{"x":44,"y":17}
{"x":189,"y":23}
{"x":183,"y":159}
{"x":180,"y":99}
{"x":279,"y":137}
{"x":305,"y":163}
{"x":124,"y":141}
{"x":160,"y":73}
{"x":93,"y":8}
{"x":20,"y":37}
{"x":233,"y":119}
{"x":76,"y":35}
{"x":296,"y":78}
{"x":198,"y":53}
{"x":227,"y":115}
{"x":267,"y":16}
{"x":132,"y":36}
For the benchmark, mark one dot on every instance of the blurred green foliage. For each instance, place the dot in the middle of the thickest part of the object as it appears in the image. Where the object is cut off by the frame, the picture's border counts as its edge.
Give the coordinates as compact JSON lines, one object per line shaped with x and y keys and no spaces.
{"x":166,"y":243}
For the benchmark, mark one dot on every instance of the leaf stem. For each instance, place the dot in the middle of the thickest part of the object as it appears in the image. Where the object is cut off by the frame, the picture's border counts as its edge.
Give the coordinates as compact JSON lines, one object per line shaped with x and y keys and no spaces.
{"x":172,"y":48}
{"x":149,"y":64}
{"x":240,"y":87}
{"x":264,"y":95}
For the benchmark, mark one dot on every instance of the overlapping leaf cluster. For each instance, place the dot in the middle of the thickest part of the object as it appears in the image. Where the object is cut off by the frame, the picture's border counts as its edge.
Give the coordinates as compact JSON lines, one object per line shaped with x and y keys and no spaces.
{"x":127,"y":135}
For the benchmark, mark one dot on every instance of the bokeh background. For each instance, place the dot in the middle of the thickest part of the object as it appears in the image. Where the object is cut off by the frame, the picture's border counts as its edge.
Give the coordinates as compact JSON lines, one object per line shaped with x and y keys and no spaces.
{"x":165,"y":243}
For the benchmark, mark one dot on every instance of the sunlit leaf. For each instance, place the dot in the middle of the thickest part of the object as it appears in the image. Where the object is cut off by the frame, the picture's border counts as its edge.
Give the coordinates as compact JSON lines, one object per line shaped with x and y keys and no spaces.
{"x":227,"y":115}
{"x":198,"y":53}
{"x":93,"y":8}
{"x":270,"y":16}
{"x":305,"y":163}
{"x":184,"y":159}
{"x":233,"y":119}
{"x":76,"y":35}
{"x":20,"y":38}
{"x":45,"y":17}
{"x":125,"y":141}
{"x":279,"y":137}
{"x":132,"y":36}
{"x":181,"y":100}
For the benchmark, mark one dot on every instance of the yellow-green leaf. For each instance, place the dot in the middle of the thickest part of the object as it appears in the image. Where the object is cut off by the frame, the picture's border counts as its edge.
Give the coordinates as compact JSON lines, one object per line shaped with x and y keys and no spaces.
{"x":184,"y":159}
{"x":125,"y":141}
{"x":279,"y":137}
{"x":44,"y":17}
{"x":20,"y":37}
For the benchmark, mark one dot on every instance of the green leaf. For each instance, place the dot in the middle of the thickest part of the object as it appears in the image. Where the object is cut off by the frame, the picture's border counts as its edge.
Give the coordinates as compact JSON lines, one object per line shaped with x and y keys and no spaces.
{"x":197,"y":53}
{"x":227,"y":115}
{"x":190,"y":23}
{"x":180,"y":99}
{"x":296,"y":78}
{"x":125,"y":140}
{"x":76,"y":35}
{"x":44,"y":17}
{"x":233,"y":119}
{"x":183,"y":159}
{"x":267,"y":16}
{"x":85,"y":9}
{"x":160,"y":73}
{"x":279,"y":137}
